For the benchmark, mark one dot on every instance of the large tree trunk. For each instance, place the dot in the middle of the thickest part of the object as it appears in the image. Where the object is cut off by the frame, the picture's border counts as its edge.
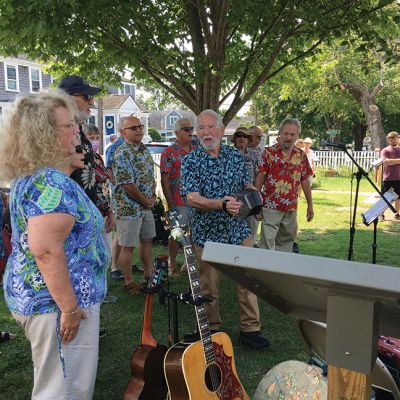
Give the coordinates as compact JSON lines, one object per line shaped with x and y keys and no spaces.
{"x":359,"y":132}
{"x":371,"y":111}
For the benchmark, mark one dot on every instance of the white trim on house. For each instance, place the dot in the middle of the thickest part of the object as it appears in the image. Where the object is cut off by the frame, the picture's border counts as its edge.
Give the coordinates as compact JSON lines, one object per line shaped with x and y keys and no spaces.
{"x":23,"y":63}
{"x":9,"y":64}
{"x":121,"y":90}
{"x":30,"y":79}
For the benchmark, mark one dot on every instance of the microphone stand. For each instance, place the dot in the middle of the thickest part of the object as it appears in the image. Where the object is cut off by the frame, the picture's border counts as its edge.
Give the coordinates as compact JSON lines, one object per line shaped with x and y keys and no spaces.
{"x":359,"y":174}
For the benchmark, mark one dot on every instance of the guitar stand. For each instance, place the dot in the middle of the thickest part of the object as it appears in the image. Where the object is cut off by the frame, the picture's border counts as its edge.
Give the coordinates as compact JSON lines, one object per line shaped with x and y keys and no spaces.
{"x":185,"y":298}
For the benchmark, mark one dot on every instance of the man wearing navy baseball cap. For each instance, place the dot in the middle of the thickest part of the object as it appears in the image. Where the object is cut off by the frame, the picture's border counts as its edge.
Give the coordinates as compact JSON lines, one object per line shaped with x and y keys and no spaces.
{"x":82,"y":93}
{"x":93,"y":177}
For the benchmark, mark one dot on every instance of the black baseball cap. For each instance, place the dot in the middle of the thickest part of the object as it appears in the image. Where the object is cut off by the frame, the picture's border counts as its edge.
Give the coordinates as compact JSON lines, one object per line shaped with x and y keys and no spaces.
{"x":73,"y":84}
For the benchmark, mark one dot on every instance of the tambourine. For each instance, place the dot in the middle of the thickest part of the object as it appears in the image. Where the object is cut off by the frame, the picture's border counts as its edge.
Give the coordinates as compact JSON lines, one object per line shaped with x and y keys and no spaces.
{"x":252,"y":202}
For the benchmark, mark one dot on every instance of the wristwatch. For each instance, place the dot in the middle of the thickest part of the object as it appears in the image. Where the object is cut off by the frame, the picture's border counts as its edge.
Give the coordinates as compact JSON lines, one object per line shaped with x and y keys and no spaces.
{"x":224,"y":203}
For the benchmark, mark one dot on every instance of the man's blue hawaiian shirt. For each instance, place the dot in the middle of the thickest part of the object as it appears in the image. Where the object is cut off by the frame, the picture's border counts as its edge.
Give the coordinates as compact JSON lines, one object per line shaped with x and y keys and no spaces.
{"x":215,"y":178}
{"x":50,"y":191}
{"x":132,"y":165}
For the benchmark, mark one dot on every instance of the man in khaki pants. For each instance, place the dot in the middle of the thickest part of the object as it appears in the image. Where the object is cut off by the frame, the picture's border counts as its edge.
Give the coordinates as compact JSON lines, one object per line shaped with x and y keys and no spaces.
{"x":284,"y":167}
{"x":209,"y":176}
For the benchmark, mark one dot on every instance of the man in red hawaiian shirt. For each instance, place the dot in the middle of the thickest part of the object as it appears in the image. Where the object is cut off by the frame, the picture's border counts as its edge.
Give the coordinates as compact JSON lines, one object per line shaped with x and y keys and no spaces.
{"x":283,"y":169}
{"x":170,"y":165}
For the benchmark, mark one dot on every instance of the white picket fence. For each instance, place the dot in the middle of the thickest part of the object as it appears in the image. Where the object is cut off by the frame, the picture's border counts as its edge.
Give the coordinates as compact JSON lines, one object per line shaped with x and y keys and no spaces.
{"x":326,"y":159}
{"x":336,"y":159}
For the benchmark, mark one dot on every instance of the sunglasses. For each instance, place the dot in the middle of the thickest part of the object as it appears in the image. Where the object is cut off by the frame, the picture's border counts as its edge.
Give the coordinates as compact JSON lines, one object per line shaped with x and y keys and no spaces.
{"x":241,"y":135}
{"x":134,"y":128}
{"x":87,"y":97}
{"x":187,"y":129}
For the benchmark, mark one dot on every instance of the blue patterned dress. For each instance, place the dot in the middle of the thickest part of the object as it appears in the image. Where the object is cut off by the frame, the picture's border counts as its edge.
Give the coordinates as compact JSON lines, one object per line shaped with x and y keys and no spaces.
{"x":215,"y":178}
{"x":49,"y":191}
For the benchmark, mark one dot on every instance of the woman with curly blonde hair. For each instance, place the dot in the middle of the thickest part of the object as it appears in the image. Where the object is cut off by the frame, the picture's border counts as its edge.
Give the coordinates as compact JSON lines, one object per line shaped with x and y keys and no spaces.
{"x":55,"y":277}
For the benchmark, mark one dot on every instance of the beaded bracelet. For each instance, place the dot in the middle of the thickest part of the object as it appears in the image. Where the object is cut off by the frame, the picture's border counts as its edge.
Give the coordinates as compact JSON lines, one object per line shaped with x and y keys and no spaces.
{"x":72,"y":312}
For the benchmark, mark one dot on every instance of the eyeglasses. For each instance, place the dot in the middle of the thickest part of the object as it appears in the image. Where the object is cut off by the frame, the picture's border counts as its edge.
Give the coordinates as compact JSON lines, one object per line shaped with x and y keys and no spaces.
{"x":187,"y":129}
{"x":134,"y":128}
{"x":241,"y":135}
{"x":87,"y":97}
{"x":72,"y":124}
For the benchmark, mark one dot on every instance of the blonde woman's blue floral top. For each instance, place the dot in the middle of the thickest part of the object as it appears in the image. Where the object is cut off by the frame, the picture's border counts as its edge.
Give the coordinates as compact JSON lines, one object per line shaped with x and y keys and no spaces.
{"x":49,"y":191}
{"x":132,"y":165}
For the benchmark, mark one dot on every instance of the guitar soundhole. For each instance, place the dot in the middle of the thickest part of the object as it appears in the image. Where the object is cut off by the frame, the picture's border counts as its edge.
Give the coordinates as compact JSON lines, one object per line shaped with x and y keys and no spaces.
{"x":213,"y":377}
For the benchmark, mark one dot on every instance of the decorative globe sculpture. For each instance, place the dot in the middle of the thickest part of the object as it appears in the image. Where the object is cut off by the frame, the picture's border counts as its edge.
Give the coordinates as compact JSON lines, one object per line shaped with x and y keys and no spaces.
{"x":292,"y":380}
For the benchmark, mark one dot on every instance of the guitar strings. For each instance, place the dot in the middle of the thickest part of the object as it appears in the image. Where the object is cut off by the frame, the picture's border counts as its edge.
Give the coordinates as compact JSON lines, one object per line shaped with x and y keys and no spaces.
{"x":213,"y":369}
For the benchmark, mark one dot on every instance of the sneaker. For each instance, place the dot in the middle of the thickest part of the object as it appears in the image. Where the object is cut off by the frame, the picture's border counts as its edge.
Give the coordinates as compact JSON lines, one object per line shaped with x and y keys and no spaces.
{"x":110,"y":299}
{"x":195,"y":335}
{"x":116,"y":275}
{"x":254,"y":340}
{"x":295,"y":248}
{"x":102,"y":332}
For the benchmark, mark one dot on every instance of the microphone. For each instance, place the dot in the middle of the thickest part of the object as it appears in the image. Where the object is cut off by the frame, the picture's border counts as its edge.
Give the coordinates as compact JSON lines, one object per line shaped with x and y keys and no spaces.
{"x":325,"y":143}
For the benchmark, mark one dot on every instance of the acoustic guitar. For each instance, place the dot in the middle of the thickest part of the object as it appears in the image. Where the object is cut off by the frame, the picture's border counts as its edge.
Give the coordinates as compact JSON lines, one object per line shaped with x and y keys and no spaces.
{"x":147,"y":381}
{"x":205,"y":369}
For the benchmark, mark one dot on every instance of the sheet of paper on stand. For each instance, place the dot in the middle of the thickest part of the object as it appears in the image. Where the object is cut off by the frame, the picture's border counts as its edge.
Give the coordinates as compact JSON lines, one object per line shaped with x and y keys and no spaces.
{"x":378,"y":208}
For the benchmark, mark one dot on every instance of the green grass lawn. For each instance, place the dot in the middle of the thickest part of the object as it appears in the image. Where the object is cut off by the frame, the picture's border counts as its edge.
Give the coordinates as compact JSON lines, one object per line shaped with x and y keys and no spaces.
{"x":327,"y":235}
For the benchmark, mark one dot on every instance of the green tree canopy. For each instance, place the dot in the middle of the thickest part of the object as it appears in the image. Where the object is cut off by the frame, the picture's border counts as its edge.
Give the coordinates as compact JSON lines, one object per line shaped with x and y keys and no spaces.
{"x":347,"y":85}
{"x":200,"y":51}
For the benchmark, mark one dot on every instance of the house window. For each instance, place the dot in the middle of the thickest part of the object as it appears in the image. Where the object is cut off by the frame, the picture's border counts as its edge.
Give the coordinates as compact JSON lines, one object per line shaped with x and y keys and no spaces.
{"x":35,"y":77}
{"x":128,"y":88}
{"x":92,"y":120}
{"x":172,"y":120}
{"x":11,"y":75}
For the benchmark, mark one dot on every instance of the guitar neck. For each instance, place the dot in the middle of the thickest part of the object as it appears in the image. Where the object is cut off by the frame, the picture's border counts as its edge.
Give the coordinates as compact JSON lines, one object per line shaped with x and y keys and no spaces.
{"x":201,"y":315}
{"x":147,"y":338}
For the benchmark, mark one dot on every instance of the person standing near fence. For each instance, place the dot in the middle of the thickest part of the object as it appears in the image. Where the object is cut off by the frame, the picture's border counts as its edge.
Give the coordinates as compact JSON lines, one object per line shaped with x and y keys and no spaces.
{"x":391,"y":168}
{"x":283,"y":169}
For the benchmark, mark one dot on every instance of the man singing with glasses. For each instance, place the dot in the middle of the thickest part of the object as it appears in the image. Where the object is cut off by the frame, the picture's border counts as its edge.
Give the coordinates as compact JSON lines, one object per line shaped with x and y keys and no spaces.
{"x":171,"y":159}
{"x":134,"y":197}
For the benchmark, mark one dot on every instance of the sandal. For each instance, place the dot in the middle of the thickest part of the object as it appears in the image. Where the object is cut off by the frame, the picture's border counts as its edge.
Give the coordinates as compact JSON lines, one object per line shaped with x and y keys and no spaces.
{"x":132,"y":288}
{"x":6,"y":336}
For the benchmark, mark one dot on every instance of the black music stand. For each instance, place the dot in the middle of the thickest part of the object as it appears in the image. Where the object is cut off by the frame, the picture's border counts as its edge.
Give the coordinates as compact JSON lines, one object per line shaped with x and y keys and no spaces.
{"x":352,"y":297}
{"x":359,"y":174}
{"x":373,"y":213}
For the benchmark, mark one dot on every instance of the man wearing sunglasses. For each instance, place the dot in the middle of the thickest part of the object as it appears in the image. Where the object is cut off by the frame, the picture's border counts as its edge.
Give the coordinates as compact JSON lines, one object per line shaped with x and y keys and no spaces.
{"x":93,"y":177}
{"x":133,"y":170}
{"x":170,"y":165}
{"x":82,"y":94}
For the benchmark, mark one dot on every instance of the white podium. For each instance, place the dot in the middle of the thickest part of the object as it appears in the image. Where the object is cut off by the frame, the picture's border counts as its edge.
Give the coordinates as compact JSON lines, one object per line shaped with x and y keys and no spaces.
{"x":357,"y":301}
